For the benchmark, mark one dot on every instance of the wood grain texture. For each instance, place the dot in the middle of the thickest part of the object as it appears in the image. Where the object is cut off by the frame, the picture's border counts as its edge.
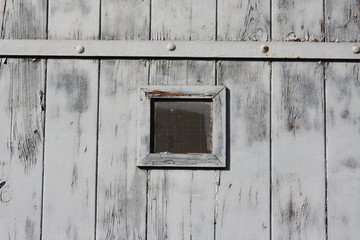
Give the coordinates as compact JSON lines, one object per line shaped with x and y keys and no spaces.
{"x":298,"y":154}
{"x":297,"y":20}
{"x":243,"y":191}
{"x":21,"y":148}
{"x":343,"y":137}
{"x":181,"y":202}
{"x":298,"y":144}
{"x":122,"y":186}
{"x":217,"y":94}
{"x":73,"y":19}
{"x":21,"y":123}
{"x":23,"y":19}
{"x":71,"y":127}
{"x":125,"y":19}
{"x":342,"y":124}
{"x":121,"y":205}
{"x":243,"y":20}
{"x":70,"y":150}
{"x":242,"y":199}
{"x":183,"y":20}
{"x":342,"y":20}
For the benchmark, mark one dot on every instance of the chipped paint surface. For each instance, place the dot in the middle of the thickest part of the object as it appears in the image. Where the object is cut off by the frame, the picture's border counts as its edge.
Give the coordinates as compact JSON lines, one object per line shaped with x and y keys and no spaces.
{"x":292,"y":136}
{"x":180,"y":204}
{"x":343,"y":98}
{"x":298,"y":141}
{"x":71,"y":107}
{"x":244,"y":20}
{"x":243,"y":192}
{"x":21,"y":146}
{"x":121,"y":206}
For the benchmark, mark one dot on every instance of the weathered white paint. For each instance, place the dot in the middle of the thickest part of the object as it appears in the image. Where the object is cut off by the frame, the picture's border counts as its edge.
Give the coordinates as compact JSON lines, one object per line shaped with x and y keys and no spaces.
{"x":121,"y":205}
{"x":23,"y":19}
{"x":73,"y":19}
{"x":181,"y":197}
{"x":342,"y":125}
{"x":70,"y":150}
{"x":184,"y":49}
{"x":343,"y":152}
{"x":21,"y":123}
{"x":243,"y":198}
{"x":181,"y":203}
{"x":133,"y":203}
{"x":298,"y":143}
{"x":21,"y":144}
{"x":342,"y":20}
{"x":301,"y":20}
{"x":243,"y":194}
{"x":216,"y":158}
{"x":121,"y":192}
{"x":71,"y":127}
{"x":124,"y":19}
{"x":298,"y":153}
{"x":243,"y":20}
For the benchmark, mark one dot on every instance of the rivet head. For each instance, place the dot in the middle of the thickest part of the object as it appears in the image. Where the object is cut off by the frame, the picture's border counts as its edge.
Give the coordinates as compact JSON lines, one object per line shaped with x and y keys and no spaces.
{"x":80,"y":49}
{"x":171,"y":46}
{"x":264,"y":48}
{"x":356,"y":49}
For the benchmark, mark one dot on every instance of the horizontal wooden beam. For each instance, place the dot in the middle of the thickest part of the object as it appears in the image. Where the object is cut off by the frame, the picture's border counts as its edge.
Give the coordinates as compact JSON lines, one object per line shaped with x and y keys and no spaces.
{"x":179,"y":49}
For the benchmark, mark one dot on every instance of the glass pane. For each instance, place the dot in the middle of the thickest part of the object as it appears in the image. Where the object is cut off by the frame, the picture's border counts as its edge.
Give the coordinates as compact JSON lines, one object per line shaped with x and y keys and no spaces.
{"x":181,"y":126}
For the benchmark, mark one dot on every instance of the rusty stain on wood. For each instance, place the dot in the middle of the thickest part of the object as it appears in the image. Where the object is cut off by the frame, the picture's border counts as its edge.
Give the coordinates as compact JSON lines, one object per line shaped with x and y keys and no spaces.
{"x":167,"y":94}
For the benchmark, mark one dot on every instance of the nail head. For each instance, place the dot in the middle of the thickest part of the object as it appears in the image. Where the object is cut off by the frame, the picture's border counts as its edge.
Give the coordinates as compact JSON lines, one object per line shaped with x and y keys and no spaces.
{"x":171,"y":46}
{"x":80,"y":49}
{"x":356,"y":49}
{"x":264,"y":48}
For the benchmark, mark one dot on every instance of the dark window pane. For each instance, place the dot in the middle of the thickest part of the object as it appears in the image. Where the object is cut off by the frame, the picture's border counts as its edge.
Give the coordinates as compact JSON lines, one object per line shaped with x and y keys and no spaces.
{"x":181,"y":126}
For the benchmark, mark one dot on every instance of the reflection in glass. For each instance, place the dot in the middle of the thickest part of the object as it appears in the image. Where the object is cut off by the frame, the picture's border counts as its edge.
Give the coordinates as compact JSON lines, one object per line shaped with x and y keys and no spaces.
{"x":181,"y":126}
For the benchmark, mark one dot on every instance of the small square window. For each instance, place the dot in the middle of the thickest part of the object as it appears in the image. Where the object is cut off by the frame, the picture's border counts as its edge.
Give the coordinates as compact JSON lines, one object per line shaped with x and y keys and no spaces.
{"x":181,"y":126}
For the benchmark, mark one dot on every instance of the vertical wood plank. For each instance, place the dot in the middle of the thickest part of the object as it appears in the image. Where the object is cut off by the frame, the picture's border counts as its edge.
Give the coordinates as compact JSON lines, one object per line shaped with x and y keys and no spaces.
{"x":298,"y":196}
{"x":23,"y":19}
{"x":73,"y":19}
{"x":181,"y":202}
{"x":342,"y":124}
{"x":298,"y":153}
{"x":300,"y":20}
{"x":122,"y":186}
{"x":21,"y":148}
{"x":243,"y":20}
{"x":343,"y":137}
{"x":21,"y":124}
{"x":242,"y":207}
{"x":243,"y":195}
{"x":71,"y":127}
{"x":183,"y":20}
{"x":342,"y":20}
{"x":125,"y":20}
{"x":121,"y":205}
{"x":70,"y":150}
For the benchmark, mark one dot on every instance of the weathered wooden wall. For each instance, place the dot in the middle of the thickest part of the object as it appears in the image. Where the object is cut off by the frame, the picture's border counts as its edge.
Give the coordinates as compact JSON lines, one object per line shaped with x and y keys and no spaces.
{"x":68,"y":127}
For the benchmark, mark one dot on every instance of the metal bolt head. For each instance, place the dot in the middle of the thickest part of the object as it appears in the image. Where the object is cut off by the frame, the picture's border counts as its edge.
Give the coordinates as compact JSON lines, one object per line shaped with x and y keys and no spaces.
{"x":264,"y":48}
{"x":80,"y":49}
{"x":356,"y":49}
{"x":171,"y":46}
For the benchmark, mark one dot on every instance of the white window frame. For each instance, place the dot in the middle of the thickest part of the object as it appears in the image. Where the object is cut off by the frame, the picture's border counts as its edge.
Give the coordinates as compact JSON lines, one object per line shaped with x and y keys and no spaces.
{"x":215,"y":159}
